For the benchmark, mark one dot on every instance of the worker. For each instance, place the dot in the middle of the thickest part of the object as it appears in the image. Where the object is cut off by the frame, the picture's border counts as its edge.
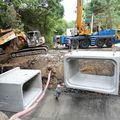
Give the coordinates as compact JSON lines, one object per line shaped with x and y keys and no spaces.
{"x":58,"y":90}
{"x":69,"y":44}
{"x":57,"y":41}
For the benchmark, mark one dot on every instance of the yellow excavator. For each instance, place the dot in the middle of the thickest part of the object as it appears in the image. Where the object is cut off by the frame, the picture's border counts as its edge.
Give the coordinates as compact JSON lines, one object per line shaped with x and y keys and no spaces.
{"x":11,"y":41}
{"x":15,"y":41}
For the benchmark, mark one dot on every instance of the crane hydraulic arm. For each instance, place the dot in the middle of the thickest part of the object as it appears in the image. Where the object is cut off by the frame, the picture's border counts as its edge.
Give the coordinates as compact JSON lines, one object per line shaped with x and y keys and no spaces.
{"x":84,"y":37}
{"x":79,"y":21}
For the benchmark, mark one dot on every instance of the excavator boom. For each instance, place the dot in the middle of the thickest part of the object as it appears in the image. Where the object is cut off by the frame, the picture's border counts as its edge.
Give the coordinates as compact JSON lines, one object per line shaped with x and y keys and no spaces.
{"x":5,"y":30}
{"x":7,"y":37}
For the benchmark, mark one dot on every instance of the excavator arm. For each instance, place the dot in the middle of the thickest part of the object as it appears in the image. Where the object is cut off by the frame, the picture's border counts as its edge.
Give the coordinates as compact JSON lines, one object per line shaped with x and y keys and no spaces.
{"x":5,"y":30}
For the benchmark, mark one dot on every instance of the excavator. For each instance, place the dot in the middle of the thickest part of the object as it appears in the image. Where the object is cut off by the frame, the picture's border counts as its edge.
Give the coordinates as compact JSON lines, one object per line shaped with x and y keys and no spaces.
{"x":10,"y":41}
{"x":15,"y":42}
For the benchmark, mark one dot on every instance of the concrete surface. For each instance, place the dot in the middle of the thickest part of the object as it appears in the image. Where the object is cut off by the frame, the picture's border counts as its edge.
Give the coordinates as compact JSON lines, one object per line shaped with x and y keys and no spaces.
{"x":19,"y":88}
{"x":89,"y":106}
{"x":99,"y":83}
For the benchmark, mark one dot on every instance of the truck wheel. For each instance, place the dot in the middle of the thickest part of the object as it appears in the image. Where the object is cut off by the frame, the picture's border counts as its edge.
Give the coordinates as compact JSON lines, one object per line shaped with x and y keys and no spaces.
{"x":84,"y":43}
{"x":100,"y":43}
{"x":109,"y":43}
{"x":74,"y":44}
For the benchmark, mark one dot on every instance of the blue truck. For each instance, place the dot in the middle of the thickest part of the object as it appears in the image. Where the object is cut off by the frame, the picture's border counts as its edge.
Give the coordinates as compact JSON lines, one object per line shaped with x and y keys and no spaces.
{"x":103,"y":38}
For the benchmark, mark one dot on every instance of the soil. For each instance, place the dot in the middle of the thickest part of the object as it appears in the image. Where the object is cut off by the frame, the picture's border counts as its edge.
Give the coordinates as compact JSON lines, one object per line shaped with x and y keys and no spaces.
{"x":54,"y":61}
{"x":97,"y":67}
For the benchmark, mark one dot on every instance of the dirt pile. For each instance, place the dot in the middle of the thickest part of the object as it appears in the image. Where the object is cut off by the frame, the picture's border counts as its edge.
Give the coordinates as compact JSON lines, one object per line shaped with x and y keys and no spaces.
{"x":97,"y":67}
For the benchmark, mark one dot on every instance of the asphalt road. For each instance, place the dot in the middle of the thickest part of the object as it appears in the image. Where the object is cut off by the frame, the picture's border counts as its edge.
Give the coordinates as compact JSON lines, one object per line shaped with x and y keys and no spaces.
{"x":89,"y":106}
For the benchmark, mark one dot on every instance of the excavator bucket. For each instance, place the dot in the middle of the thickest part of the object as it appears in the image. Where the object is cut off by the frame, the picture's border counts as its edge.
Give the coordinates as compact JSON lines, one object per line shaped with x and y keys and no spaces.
{"x":96,"y":71}
{"x":7,"y":37}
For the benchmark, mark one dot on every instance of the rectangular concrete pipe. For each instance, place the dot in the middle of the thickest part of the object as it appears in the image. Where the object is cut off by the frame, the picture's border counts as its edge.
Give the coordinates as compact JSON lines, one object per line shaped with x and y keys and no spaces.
{"x":19,"y":88}
{"x":96,"y":71}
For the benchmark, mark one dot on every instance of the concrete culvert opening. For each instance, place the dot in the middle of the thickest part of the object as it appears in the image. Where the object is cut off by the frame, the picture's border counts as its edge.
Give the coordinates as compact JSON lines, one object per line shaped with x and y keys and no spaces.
{"x":97,"y":67}
{"x":99,"y":75}
{"x":31,"y":90}
{"x":19,"y":89}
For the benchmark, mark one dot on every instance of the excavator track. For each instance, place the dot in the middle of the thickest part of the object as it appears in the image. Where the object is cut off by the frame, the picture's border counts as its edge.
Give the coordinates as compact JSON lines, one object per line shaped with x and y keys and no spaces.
{"x":16,"y":44}
{"x":4,"y":58}
{"x":30,"y":51}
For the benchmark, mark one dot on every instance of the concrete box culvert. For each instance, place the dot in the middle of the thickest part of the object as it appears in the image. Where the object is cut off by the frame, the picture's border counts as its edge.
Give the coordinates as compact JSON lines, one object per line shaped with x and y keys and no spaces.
{"x":19,"y":88}
{"x":96,"y":71}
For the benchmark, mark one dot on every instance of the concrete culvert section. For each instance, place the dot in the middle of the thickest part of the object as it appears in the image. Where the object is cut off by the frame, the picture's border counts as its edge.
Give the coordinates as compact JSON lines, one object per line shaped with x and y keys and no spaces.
{"x":19,"y":88}
{"x":31,"y":90}
{"x":93,"y":71}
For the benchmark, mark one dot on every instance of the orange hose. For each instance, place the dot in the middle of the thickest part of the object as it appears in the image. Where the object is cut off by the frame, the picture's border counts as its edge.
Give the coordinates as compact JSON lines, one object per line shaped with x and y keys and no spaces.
{"x":24,"y":112}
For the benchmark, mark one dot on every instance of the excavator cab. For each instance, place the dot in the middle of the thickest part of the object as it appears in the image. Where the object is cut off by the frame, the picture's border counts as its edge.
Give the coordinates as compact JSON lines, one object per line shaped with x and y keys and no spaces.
{"x":34,"y":39}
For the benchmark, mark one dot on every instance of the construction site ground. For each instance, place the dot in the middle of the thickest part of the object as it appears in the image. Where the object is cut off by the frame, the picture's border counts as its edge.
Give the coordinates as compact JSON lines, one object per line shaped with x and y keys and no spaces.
{"x":76,"y":105}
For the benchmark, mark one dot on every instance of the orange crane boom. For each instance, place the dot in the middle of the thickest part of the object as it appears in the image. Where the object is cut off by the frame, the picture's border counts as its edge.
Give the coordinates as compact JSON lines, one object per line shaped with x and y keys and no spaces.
{"x":79,"y":21}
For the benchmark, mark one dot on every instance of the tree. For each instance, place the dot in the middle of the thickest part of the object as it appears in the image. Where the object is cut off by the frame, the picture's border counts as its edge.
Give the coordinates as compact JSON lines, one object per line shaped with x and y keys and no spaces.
{"x":11,"y":19}
{"x":71,"y":24}
{"x":43,"y":15}
{"x":9,"y":16}
{"x":61,"y":27}
{"x":45,"y":19}
{"x":106,"y":12}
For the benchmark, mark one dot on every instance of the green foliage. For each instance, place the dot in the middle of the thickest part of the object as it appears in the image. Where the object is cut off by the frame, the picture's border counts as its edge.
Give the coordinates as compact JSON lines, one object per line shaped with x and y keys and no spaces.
{"x":106,"y":13}
{"x":43,"y":15}
{"x":10,"y":18}
{"x":61,"y":27}
{"x":37,"y":16}
{"x":71,"y":24}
